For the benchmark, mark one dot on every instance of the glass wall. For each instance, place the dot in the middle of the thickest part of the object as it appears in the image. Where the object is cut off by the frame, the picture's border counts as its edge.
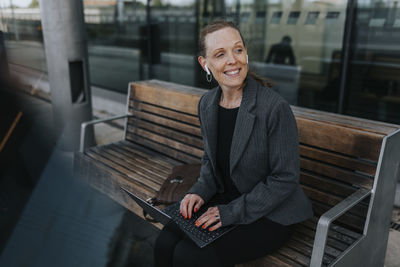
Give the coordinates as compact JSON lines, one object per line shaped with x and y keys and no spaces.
{"x":297,"y":44}
{"x":116,"y":42}
{"x":373,"y":88}
{"x":173,"y":41}
{"x":22,"y":31}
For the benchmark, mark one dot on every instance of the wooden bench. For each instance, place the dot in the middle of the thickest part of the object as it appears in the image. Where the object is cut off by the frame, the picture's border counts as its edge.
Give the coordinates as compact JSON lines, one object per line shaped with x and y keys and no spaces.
{"x":348,"y":169}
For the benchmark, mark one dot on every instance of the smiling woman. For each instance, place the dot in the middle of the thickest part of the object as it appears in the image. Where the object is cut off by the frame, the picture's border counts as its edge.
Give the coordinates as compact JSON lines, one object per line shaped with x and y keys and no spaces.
{"x":250,"y":167}
{"x":226,"y":58}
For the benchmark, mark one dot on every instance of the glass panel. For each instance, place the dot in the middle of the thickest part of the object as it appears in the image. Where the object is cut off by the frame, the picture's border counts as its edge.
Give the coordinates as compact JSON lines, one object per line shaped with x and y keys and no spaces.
{"x":312,"y":18}
{"x":374,"y":76}
{"x":22,"y":31}
{"x":296,"y":44}
{"x":174,"y":41}
{"x":117,"y":42}
{"x":276,"y":17}
{"x":293,"y":17}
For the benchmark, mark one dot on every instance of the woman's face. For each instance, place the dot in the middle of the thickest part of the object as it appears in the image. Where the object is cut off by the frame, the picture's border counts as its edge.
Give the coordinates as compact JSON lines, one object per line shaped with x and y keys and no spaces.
{"x":226,"y":57}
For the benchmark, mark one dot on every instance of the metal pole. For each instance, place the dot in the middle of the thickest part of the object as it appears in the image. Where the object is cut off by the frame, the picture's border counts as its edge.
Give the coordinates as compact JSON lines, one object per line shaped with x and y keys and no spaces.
{"x":120,"y":9}
{"x":14,"y":21}
{"x":348,"y":26}
{"x":149,"y":40}
{"x":67,"y":63}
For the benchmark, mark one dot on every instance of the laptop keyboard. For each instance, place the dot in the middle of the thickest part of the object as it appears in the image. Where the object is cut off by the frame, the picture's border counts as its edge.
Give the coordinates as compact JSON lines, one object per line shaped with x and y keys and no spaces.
{"x":188,"y":225}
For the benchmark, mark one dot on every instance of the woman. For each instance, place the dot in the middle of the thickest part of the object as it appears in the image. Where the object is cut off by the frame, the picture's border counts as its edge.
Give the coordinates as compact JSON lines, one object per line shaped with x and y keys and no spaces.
{"x":250,"y":167}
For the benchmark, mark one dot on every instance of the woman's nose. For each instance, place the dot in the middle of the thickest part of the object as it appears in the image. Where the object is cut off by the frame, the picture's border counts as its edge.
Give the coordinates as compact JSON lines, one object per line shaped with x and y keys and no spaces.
{"x":231,"y":58}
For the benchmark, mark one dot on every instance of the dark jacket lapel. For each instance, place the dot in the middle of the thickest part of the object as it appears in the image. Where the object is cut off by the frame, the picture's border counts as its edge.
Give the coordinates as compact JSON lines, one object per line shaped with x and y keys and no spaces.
{"x":244,"y":122}
{"x":209,"y":120}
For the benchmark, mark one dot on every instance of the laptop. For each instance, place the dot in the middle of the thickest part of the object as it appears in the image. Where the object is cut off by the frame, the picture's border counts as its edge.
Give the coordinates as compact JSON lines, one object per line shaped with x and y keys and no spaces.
{"x":201,"y":237}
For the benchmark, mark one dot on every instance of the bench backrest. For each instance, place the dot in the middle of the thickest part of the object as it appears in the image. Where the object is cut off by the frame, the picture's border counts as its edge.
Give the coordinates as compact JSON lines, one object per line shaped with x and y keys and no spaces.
{"x":165,"y":119}
{"x":339,"y":154}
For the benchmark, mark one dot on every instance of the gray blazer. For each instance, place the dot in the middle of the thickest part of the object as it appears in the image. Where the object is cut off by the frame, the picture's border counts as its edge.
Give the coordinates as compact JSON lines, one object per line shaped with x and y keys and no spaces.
{"x":264,"y":159}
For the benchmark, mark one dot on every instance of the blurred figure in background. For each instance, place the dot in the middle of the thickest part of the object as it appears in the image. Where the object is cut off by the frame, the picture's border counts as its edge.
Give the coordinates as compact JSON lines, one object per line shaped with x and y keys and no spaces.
{"x":282,"y":53}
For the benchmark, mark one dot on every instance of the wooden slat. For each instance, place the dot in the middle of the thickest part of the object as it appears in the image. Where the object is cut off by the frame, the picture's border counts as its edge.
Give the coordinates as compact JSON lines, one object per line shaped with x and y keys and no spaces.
{"x":108,"y":180}
{"x":179,"y":126}
{"x":167,"y":142}
{"x":347,"y":121}
{"x":337,"y":228}
{"x":99,"y":177}
{"x":122,"y":170}
{"x":168,"y":95}
{"x":191,"y":119}
{"x":338,"y":160}
{"x":178,"y":155}
{"x":309,"y":234}
{"x":338,"y":239}
{"x":337,"y":173}
{"x":150,"y":155}
{"x":269,"y":261}
{"x":158,"y":169}
{"x":171,"y":134}
{"x":354,"y":222}
{"x":324,"y":184}
{"x":328,"y":199}
{"x":147,"y":171}
{"x":307,"y":251}
{"x":286,"y":260}
{"x":294,"y":256}
{"x":352,"y":142}
{"x":308,"y":241}
{"x":318,"y":195}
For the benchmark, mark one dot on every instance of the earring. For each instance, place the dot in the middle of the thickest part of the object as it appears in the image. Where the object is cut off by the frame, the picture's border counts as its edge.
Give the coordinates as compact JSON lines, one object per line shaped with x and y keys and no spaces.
{"x":209,"y":77}
{"x":247,"y":59}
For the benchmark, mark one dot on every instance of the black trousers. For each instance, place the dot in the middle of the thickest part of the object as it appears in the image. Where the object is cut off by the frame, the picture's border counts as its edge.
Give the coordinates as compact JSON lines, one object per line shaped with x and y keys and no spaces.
{"x":244,"y":243}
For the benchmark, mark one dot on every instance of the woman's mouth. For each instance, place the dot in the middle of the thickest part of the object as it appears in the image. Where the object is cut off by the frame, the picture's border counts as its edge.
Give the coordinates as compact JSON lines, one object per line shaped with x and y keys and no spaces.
{"x":232,"y":72}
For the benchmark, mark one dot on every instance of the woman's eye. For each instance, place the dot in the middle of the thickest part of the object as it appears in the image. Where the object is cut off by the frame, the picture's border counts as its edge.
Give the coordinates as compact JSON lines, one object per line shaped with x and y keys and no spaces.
{"x":239,"y":50}
{"x":219,"y":55}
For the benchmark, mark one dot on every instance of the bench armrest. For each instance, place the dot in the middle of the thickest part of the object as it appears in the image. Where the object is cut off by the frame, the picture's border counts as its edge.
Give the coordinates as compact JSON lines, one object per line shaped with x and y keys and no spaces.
{"x":328,"y":217}
{"x":92,"y":122}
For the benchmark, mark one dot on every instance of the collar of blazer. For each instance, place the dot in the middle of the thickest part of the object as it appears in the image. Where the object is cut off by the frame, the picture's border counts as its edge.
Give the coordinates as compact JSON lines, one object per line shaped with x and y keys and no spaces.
{"x":244,"y":123}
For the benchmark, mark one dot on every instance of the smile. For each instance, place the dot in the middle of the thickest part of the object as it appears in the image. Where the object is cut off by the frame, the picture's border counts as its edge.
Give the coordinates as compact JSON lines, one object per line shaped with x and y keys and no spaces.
{"x":232,"y":72}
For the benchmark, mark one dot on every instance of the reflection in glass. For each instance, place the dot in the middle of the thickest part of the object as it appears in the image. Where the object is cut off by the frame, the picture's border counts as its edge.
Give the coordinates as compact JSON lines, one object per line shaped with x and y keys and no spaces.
{"x":131,"y":40}
{"x":332,"y":15}
{"x":173,"y":41}
{"x":312,"y":17}
{"x":373,"y":85}
{"x":276,"y":17}
{"x":23,"y":35}
{"x":293,"y":17}
{"x":117,"y":42}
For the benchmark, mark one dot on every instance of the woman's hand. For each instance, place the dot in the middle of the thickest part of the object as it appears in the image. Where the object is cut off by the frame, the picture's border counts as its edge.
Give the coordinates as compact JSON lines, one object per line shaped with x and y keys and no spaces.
{"x":189,"y":203}
{"x":211,"y":216}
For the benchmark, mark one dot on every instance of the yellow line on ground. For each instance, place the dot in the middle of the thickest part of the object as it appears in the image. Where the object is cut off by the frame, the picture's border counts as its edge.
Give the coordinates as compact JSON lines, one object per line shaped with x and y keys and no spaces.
{"x":14,"y":124}
{"x":36,"y":84}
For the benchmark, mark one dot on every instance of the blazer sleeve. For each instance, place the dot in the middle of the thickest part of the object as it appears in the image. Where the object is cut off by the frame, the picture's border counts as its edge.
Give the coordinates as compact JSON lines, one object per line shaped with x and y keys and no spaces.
{"x":283,"y":179}
{"x":205,"y":186}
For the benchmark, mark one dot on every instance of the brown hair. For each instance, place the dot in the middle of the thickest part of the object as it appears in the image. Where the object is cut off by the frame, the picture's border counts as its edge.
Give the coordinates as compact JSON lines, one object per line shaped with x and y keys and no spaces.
{"x":218,"y":25}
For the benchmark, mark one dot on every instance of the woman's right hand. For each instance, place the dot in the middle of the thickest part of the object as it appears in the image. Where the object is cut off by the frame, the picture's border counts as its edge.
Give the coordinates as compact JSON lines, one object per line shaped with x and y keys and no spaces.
{"x":189,"y":203}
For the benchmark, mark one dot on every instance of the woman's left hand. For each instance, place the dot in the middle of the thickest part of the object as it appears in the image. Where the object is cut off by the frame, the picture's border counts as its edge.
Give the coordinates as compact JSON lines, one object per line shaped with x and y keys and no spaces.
{"x":211,"y":216}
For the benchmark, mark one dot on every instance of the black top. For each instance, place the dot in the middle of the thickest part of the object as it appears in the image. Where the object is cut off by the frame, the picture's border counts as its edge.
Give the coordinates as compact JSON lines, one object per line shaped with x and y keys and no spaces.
{"x":226,"y":127}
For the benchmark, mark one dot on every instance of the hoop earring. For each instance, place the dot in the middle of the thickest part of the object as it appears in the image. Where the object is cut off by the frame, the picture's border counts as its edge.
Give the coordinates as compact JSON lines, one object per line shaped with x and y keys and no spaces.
{"x":208,"y":77}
